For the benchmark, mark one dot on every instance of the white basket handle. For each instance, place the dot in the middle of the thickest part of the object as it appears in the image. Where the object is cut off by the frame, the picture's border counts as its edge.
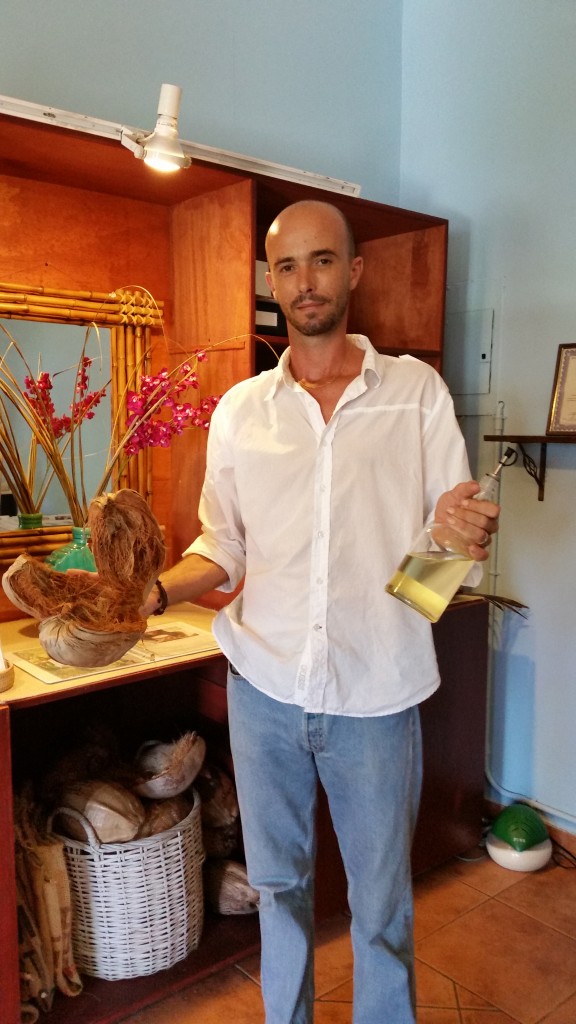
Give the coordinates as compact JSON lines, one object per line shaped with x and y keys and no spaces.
{"x":93,"y":839}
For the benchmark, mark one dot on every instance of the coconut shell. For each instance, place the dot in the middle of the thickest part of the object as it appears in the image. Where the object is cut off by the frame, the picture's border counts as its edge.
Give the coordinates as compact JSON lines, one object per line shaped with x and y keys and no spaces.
{"x":68,"y":643}
{"x":221,"y":842}
{"x":218,"y":795}
{"x":115,"y":814}
{"x":164,"y":814}
{"x":227,"y":889}
{"x":168,"y":769}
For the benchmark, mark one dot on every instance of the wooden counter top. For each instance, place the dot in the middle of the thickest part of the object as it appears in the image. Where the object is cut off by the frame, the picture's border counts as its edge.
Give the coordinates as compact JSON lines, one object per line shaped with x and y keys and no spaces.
{"x":27,"y":689}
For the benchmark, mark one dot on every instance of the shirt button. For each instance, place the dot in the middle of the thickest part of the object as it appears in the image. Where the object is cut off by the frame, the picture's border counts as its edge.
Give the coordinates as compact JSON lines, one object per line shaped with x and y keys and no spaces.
{"x":317,"y":627}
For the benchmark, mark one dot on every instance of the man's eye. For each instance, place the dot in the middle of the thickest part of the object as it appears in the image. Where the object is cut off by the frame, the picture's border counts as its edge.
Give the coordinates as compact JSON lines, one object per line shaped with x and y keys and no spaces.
{"x":324,"y":261}
{"x":286,"y":268}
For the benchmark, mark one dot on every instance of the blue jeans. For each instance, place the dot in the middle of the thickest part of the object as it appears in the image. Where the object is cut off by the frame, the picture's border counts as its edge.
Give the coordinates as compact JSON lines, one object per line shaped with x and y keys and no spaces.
{"x":371,"y":771}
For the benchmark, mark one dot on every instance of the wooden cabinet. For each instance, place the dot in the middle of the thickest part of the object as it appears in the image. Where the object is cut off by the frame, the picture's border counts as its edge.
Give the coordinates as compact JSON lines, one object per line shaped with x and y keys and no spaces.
{"x":169,"y":700}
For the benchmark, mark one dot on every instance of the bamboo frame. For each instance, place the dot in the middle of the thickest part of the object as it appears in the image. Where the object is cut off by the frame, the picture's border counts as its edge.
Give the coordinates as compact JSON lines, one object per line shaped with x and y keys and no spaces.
{"x":130,"y":357}
{"x":131,"y":315}
{"x":39,"y":543}
{"x":26,"y":302}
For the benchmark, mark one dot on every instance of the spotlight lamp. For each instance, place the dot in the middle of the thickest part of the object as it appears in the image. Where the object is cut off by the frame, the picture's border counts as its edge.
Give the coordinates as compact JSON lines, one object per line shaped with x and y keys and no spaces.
{"x":162,"y":149}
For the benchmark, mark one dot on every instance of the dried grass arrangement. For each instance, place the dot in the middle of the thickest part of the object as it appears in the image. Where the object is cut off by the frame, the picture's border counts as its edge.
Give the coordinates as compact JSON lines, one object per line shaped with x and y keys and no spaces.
{"x":86,"y":619}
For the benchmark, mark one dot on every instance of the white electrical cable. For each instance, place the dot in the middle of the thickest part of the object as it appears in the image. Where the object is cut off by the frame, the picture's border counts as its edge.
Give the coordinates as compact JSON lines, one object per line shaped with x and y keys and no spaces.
{"x":499,"y":420}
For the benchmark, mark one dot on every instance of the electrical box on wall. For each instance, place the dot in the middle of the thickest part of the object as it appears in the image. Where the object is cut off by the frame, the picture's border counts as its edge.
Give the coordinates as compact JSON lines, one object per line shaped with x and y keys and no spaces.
{"x":468,"y":356}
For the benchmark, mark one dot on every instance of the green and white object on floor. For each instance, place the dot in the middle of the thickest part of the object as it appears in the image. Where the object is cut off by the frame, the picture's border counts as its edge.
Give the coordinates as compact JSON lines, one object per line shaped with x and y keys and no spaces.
{"x":519,"y":839}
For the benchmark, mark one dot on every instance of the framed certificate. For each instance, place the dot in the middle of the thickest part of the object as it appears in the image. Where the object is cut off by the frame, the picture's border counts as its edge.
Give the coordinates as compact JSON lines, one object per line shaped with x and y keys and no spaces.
{"x":562,"y":415}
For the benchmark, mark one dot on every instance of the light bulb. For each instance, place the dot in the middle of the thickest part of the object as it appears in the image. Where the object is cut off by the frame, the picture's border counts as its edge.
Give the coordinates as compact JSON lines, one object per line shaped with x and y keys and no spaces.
{"x":162,"y":149}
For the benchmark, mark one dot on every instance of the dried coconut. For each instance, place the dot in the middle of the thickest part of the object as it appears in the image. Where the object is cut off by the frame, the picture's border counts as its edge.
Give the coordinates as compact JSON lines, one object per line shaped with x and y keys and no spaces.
{"x":115,"y":814}
{"x":163,"y":814}
{"x":227,"y":889}
{"x":218,"y":795}
{"x":93,"y":619}
{"x":168,"y":769}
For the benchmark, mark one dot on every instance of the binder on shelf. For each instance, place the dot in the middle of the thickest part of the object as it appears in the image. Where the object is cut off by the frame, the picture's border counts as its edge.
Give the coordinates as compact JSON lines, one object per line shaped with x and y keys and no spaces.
{"x":269,"y":317}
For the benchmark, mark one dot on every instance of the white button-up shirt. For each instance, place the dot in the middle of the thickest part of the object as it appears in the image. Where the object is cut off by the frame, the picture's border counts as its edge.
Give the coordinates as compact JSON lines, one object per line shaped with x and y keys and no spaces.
{"x":316,"y":517}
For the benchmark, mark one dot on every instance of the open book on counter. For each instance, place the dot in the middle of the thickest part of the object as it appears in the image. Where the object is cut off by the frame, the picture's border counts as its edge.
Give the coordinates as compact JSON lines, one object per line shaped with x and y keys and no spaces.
{"x":162,"y":641}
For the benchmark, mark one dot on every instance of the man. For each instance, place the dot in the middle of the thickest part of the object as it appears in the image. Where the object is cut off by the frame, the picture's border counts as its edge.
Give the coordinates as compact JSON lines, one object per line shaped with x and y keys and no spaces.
{"x":319,"y":474}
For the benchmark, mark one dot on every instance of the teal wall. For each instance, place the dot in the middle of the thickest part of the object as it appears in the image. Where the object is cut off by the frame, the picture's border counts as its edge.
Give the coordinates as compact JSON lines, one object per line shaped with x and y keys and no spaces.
{"x":314,"y":84}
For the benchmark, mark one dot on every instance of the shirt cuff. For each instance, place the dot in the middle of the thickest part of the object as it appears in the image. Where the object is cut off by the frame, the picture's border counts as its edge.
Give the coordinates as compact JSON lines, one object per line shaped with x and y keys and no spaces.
{"x":202,"y":546}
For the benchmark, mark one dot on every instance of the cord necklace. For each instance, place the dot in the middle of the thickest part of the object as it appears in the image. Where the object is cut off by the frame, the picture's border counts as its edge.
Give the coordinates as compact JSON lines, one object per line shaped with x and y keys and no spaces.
{"x":311,"y":385}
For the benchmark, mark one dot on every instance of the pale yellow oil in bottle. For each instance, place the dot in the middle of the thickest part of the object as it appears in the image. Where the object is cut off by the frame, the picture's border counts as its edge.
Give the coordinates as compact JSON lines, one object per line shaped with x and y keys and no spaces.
{"x":427,"y":580}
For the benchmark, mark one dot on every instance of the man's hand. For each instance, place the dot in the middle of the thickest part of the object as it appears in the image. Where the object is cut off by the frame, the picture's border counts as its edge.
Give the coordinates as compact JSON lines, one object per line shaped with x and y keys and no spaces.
{"x":475,"y":520}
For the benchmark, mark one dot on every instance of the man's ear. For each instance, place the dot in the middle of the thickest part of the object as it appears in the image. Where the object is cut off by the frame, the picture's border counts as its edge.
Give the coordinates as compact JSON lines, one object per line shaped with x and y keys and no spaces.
{"x":356,"y":268}
{"x":268,"y":277}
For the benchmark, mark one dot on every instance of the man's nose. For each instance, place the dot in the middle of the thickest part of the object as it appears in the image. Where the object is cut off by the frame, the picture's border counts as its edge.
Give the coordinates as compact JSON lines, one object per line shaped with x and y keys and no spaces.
{"x":305,"y":279}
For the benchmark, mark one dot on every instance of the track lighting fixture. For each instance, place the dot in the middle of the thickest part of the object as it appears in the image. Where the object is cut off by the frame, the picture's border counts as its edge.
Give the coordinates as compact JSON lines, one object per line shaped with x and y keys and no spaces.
{"x":162,"y":149}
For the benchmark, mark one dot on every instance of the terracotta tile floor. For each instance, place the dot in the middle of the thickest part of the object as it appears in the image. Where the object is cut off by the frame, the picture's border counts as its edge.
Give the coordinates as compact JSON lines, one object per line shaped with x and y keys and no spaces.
{"x":493,"y":947}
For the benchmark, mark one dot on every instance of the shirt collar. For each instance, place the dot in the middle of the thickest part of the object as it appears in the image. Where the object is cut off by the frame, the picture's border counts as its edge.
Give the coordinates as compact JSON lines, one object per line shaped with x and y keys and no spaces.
{"x":369,"y":372}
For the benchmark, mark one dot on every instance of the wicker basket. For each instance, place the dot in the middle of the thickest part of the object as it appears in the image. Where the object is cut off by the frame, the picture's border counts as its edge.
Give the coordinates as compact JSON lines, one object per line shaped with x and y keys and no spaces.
{"x":137,"y":907}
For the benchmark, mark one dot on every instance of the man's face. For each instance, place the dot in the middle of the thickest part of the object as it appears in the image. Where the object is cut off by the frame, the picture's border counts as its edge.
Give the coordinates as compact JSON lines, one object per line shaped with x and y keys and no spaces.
{"x":311,"y":269}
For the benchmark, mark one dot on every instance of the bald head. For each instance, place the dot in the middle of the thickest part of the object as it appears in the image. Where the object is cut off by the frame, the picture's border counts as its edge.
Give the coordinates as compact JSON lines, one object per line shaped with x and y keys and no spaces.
{"x":307,"y":210}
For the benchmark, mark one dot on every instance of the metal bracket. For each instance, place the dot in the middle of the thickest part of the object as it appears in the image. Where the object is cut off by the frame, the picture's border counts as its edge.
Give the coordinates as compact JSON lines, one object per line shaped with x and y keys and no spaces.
{"x":538,"y":473}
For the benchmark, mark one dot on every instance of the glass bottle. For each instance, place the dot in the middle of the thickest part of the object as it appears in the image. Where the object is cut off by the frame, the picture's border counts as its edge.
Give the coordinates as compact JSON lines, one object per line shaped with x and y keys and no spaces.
{"x":74,"y":555}
{"x":438,"y":562}
{"x":29,"y":520}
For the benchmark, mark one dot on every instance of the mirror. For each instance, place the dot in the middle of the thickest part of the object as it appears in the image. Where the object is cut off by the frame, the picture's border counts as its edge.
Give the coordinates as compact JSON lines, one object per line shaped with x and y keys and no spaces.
{"x":54,"y":349}
{"x":126,"y":320}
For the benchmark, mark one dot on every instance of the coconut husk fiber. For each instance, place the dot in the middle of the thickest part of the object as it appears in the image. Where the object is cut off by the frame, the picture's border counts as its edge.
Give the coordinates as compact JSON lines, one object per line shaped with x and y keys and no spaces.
{"x":92,"y":619}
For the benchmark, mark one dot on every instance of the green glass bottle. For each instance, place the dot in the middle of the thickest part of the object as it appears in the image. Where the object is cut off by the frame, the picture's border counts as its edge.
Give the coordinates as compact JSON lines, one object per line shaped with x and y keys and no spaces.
{"x":29,"y":520}
{"x":74,"y":555}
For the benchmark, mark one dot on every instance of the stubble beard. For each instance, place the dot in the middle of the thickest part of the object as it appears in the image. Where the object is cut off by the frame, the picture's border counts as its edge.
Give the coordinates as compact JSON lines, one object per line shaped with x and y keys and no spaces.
{"x":321,"y":324}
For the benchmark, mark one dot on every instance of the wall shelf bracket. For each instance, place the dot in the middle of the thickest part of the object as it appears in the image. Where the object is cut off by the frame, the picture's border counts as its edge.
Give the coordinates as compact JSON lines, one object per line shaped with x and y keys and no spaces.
{"x":536,"y":470}
{"x":538,"y":473}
